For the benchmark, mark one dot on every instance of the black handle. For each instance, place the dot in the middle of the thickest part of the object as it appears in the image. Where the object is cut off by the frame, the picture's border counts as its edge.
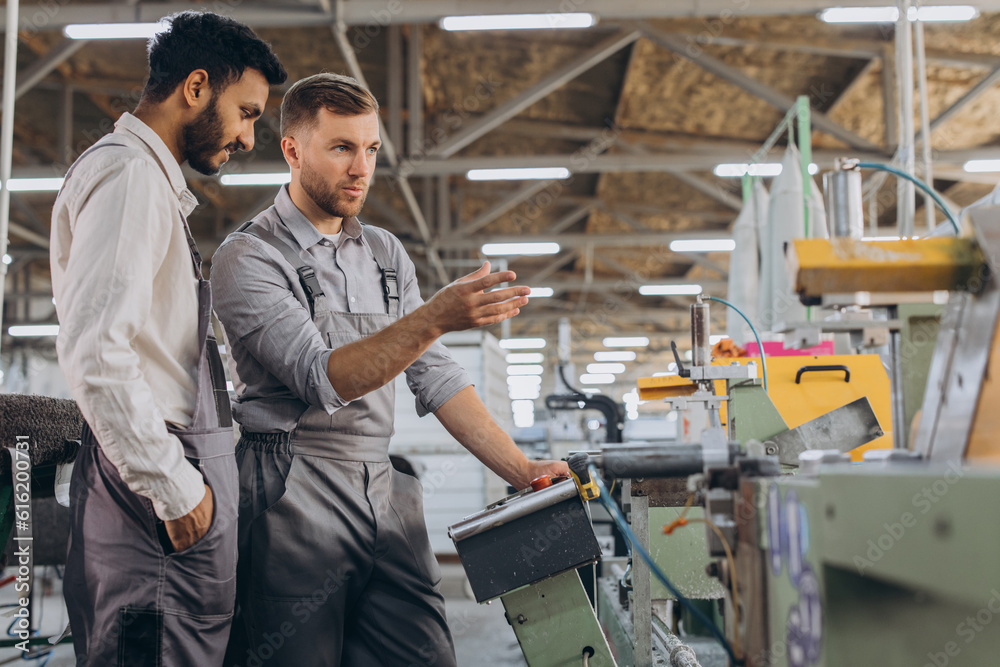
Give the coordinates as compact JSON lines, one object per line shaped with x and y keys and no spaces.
{"x":813,"y":369}
{"x":578,"y":464}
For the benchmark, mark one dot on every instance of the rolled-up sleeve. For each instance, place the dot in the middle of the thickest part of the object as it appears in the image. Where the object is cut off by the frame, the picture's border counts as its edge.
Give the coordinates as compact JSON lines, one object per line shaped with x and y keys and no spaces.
{"x":435,"y":377}
{"x":260,"y":312}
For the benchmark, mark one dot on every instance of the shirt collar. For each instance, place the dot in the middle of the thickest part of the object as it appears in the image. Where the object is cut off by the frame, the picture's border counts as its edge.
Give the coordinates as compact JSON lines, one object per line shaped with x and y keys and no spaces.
{"x":129,"y":124}
{"x":305,"y":232}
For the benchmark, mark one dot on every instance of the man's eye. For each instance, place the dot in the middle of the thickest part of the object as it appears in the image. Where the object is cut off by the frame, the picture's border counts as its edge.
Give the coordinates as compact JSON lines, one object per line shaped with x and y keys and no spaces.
{"x":372,"y":150}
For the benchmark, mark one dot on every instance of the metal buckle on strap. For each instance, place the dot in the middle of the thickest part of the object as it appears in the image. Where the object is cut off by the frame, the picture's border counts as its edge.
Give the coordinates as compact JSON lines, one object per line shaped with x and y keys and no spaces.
{"x":389,"y":287}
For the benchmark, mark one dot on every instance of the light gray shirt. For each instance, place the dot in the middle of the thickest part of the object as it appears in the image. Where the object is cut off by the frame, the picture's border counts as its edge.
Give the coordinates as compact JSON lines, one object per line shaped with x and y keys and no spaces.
{"x":277,"y":356}
{"x":127,"y":300}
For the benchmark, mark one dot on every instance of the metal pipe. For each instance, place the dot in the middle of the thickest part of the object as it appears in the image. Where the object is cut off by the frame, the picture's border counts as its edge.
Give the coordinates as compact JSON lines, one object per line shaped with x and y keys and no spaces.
{"x":653,"y":461}
{"x":701,"y":353}
{"x":925,"y":121}
{"x":905,"y":191}
{"x":7,"y":136}
{"x":679,"y":653}
{"x":844,"y":200}
{"x":519,"y":507}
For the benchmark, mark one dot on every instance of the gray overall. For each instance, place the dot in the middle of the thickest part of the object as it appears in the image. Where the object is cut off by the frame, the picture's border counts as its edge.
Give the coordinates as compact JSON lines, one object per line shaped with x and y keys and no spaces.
{"x":335,"y":566}
{"x":132,"y":600}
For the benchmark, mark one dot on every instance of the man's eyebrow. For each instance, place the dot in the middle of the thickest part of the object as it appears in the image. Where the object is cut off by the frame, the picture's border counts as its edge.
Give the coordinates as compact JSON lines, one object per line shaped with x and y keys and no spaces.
{"x":255,"y":111}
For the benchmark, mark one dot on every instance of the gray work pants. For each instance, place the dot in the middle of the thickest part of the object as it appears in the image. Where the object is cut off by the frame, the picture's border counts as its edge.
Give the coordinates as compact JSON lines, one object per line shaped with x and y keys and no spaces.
{"x":335,"y":566}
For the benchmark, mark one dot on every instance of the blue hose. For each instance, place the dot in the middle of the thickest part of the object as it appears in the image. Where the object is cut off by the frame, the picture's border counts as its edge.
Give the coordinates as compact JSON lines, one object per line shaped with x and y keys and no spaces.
{"x":616,"y":514}
{"x":763,"y":359}
{"x":920,"y":184}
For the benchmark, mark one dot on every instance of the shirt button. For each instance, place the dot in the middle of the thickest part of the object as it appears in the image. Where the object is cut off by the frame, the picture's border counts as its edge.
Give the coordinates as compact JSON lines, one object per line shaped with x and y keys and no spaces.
{"x":353,"y":299}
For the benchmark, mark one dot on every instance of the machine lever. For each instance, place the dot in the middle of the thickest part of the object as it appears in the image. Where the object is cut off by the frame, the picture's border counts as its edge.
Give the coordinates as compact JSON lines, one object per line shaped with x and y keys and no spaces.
{"x":814,"y":369}
{"x":681,"y":371}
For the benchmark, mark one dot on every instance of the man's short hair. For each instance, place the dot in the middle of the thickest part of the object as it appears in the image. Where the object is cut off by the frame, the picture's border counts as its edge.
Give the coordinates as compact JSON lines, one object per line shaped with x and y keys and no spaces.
{"x":201,"y":40}
{"x":336,"y":93}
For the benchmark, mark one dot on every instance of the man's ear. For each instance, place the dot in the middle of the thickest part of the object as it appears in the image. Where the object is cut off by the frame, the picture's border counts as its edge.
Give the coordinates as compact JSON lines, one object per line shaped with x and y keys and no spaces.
{"x":195,"y":90}
{"x":291,"y":149}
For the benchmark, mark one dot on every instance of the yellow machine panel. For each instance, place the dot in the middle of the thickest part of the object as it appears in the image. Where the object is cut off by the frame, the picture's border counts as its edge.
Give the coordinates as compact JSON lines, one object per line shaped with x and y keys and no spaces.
{"x":816,"y":393}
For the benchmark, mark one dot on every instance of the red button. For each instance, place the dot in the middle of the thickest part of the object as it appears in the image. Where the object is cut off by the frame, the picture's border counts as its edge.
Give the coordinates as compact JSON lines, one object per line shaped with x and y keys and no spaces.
{"x":542,"y":482}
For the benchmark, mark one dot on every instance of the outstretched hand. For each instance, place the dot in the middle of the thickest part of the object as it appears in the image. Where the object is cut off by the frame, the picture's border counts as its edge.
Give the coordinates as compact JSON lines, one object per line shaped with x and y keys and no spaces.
{"x":465,"y":303}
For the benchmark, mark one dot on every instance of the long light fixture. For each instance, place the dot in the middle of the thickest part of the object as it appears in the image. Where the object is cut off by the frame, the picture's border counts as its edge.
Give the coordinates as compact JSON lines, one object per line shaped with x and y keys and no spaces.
{"x":34,"y":184}
{"x":597,"y":378}
{"x":981,"y":166}
{"x":33,"y":330}
{"x":614,"y":355}
{"x":256,"y":179}
{"x":525,"y":369}
{"x":561,"y":20}
{"x":670,"y":290}
{"x":525,"y":358}
{"x":929,"y":13}
{"x":114,"y":30}
{"x":626,"y":341}
{"x":703,"y":245}
{"x":540,"y":292}
{"x":522,"y":343}
{"x":524,"y":381}
{"x":518,"y":174}
{"x":7,"y":259}
{"x":605,"y":368}
{"x":520,"y":248}
{"x":736,"y":170}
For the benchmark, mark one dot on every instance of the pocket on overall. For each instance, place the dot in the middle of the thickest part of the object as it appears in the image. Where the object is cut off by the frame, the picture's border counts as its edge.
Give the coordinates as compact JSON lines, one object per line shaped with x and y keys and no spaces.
{"x":407,"y":500}
{"x":201,"y":580}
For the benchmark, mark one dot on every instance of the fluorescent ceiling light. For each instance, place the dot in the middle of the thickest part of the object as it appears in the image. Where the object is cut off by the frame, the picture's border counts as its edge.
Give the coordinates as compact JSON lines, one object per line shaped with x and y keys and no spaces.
{"x":256,"y":179}
{"x":891,"y":14}
{"x":520,"y":248}
{"x":525,"y":358}
{"x":541,"y":292}
{"x":34,"y":184}
{"x":591,"y":390}
{"x":980,"y":166}
{"x":944,"y":13}
{"x":703,"y":245}
{"x":518,"y":21}
{"x":25,"y":330}
{"x":525,"y":369}
{"x":524,"y":381}
{"x":114,"y":30}
{"x":7,"y":259}
{"x":670,"y":290}
{"x":615,"y":355}
{"x":712,"y":340}
{"x":634,"y":341}
{"x":597,"y":378}
{"x":524,"y":174}
{"x":605,"y":368}
{"x":522,"y":343}
{"x":523,"y":393}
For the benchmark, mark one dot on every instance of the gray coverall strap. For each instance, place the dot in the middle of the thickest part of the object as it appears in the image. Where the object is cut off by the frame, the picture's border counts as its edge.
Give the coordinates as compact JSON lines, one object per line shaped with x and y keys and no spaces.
{"x":307,"y":276}
{"x":390,"y":290}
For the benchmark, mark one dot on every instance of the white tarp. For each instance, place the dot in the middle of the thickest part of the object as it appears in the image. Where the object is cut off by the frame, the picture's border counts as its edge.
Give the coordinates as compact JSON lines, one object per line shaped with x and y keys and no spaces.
{"x":785,"y":221}
{"x":744,"y":265}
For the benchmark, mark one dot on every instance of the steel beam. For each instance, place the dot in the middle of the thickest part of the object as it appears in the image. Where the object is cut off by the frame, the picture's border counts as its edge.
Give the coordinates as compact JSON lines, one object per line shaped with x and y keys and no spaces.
{"x":649,"y":240}
{"x":379,"y":13}
{"x":713,"y":190}
{"x":41,"y":68}
{"x":554,"y":266}
{"x":503,"y":206}
{"x":394,"y":94}
{"x":984,"y":85}
{"x":550,"y":83}
{"x":568,"y":220}
{"x":773,"y":97}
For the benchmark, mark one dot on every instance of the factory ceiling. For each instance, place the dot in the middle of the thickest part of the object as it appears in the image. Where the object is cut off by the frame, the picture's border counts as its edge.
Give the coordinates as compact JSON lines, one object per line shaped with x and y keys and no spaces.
{"x":639,"y":108}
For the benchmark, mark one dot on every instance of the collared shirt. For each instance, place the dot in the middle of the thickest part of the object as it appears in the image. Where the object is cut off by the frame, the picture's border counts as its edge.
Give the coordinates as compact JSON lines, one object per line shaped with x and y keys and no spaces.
{"x":277,"y":356}
{"x":127,"y":300}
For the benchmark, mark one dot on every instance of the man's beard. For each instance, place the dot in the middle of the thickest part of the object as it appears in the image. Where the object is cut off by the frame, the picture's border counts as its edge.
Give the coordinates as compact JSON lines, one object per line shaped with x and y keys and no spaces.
{"x":203,"y":140}
{"x":332,"y":200}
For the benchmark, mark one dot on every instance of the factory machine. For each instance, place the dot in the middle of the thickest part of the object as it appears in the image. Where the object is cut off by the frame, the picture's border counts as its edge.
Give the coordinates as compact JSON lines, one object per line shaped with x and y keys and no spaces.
{"x":775,"y":537}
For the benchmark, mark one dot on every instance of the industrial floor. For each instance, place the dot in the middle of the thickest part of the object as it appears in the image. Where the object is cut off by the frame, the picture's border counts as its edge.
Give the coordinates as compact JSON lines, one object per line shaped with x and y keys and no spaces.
{"x":482,"y":636}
